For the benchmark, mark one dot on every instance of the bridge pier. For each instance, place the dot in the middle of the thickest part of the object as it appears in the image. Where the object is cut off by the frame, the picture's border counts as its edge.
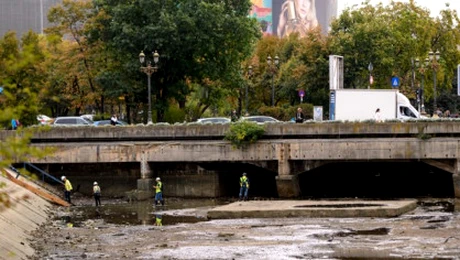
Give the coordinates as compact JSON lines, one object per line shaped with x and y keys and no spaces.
{"x":288,"y":186}
{"x":145,"y":183}
{"x":456,"y":179}
{"x":286,"y":183}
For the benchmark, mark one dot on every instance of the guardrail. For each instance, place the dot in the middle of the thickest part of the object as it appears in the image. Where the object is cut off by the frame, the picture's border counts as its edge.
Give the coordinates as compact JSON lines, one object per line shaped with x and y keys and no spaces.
{"x":44,"y":174}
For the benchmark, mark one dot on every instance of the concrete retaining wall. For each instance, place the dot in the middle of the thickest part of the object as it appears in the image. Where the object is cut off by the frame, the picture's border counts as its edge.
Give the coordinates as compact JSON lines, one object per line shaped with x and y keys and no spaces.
{"x":25,"y":214}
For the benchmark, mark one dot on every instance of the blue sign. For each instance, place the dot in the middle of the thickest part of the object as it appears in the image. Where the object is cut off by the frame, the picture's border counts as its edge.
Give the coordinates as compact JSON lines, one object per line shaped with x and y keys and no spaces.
{"x":395,"y":82}
{"x":301,"y":93}
{"x":332,"y":106}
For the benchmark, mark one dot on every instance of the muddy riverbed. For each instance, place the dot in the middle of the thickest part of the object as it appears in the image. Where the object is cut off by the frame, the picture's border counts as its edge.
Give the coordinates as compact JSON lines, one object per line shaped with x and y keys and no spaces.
{"x":180,"y":230}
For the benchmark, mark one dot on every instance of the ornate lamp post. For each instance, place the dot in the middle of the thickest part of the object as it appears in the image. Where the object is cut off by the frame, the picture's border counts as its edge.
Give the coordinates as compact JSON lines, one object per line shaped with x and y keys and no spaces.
{"x":247,"y":97}
{"x":434,"y":57}
{"x":273,"y":65}
{"x":371,"y":80}
{"x":421,"y":66}
{"x":149,"y":70}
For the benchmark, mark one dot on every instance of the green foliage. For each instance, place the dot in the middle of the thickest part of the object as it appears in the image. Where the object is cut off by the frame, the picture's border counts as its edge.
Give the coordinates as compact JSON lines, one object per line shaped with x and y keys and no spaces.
{"x":198,"y":41}
{"x":174,"y":114}
{"x":244,"y":133}
{"x":392,"y":37}
{"x":16,"y":148}
{"x":98,"y":116}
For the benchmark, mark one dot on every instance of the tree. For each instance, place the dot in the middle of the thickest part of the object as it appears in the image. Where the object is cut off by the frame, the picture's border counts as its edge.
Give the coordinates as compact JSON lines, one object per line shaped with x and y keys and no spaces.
{"x":21,"y":76}
{"x":392,"y":37}
{"x":79,"y":61}
{"x":198,"y":42}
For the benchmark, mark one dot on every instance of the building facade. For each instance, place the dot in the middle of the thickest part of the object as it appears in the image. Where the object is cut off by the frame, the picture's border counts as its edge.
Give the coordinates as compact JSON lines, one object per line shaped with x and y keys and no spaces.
{"x":21,"y":16}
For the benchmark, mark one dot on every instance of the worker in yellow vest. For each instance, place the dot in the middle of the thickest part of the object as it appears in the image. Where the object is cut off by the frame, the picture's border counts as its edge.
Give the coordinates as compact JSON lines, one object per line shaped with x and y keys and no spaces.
{"x":97,"y":193}
{"x":67,"y":188}
{"x":158,"y":192}
{"x":244,"y":187}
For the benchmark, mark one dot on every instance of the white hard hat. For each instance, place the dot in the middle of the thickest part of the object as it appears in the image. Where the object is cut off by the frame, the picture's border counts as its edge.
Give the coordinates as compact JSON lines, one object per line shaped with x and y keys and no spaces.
{"x":244,"y":174}
{"x":158,"y":178}
{"x":95,"y":183}
{"x":63,"y":178}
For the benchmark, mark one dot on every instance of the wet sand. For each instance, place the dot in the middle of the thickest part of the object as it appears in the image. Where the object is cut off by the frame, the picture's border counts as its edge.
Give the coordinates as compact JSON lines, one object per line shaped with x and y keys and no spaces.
{"x":431,"y":231}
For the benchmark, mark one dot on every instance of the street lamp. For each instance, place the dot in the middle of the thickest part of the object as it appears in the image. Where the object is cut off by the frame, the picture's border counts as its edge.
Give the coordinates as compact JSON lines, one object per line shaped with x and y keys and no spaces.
{"x":247,"y":97}
{"x":434,"y":57}
{"x":420,"y":97}
{"x":149,"y":70}
{"x":273,"y":65}
{"x":371,"y":80}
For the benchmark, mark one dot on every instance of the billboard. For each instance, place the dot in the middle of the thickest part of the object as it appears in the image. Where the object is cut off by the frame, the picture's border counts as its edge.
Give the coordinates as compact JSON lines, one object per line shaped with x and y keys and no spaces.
{"x":283,"y":17}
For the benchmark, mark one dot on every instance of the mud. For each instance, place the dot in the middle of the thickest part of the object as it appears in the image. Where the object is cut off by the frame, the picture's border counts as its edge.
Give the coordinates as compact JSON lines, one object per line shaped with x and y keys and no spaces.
{"x":432,"y":231}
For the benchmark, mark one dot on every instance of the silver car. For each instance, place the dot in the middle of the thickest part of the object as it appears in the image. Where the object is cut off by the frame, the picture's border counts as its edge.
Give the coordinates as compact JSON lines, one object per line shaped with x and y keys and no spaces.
{"x":71,"y":121}
{"x":260,"y":119}
{"x":214,"y":120}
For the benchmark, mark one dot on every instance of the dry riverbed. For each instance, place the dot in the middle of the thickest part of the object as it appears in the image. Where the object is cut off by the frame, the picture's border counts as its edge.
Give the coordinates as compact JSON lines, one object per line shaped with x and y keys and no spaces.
{"x":432,"y":231}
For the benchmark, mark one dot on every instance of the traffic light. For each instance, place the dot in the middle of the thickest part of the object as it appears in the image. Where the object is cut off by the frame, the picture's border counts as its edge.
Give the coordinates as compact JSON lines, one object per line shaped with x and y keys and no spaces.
{"x":418,"y":93}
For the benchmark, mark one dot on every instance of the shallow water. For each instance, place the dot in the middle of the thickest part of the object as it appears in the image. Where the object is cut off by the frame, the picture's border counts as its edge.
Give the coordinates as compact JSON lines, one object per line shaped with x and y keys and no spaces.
{"x":175,"y":210}
{"x":140,"y":212}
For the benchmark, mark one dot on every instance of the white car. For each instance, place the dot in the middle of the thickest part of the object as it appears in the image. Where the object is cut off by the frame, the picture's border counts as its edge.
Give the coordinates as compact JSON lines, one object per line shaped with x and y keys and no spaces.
{"x":260,"y":119}
{"x":88,"y":116}
{"x":214,"y":120}
{"x":44,"y":120}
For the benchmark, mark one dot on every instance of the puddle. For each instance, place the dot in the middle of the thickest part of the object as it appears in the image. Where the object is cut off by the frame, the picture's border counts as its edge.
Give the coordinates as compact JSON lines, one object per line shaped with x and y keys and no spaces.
{"x":369,"y":232}
{"x":175,"y":211}
{"x":438,"y":206}
{"x":354,"y":205}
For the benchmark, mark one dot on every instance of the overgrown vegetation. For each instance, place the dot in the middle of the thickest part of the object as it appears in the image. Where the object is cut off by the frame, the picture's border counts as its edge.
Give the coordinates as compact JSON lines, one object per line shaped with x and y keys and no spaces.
{"x":244,"y":133}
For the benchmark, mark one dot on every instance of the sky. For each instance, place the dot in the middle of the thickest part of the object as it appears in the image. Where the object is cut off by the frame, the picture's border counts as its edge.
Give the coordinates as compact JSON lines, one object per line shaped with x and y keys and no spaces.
{"x":433,"y":5}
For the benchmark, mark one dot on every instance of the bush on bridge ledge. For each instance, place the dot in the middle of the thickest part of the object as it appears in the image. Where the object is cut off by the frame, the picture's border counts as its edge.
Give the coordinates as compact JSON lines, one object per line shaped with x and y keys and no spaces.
{"x":244,"y":133}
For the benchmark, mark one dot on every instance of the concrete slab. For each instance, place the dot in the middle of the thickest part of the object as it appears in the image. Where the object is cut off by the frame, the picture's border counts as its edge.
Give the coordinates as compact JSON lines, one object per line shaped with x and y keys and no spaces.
{"x":313,"y":209}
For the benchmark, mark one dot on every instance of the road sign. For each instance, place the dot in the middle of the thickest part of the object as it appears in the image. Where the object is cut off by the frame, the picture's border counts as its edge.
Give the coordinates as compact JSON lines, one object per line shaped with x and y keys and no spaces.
{"x":301,"y":95}
{"x":395,"y":82}
{"x":318,"y":113}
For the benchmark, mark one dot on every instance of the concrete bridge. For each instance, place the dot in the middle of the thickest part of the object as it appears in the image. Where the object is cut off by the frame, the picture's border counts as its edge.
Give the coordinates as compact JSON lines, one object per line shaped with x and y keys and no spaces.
{"x":393,"y":159}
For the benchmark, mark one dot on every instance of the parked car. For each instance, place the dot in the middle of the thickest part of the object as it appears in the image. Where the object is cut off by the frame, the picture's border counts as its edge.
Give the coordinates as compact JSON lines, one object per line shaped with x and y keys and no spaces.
{"x":214,"y":120}
{"x":107,"y":122}
{"x":260,"y":119}
{"x":44,"y":120}
{"x":71,"y":121}
{"x":88,"y":116}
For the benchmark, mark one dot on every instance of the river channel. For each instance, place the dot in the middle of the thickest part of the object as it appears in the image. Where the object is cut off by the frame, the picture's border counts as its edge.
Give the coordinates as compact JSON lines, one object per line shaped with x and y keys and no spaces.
{"x":180,"y":230}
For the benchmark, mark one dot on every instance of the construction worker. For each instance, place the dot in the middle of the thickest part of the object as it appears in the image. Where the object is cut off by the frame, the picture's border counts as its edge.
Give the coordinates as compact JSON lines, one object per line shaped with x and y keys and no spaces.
{"x":67,"y":188}
{"x":244,"y":187}
{"x":158,"y":220}
{"x":97,"y":193}
{"x":158,"y":191}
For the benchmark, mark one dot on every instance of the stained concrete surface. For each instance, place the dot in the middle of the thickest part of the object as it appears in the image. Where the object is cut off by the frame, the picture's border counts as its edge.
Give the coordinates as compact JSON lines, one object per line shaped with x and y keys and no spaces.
{"x":25,"y":213}
{"x":431,"y":231}
{"x":312,"y":208}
